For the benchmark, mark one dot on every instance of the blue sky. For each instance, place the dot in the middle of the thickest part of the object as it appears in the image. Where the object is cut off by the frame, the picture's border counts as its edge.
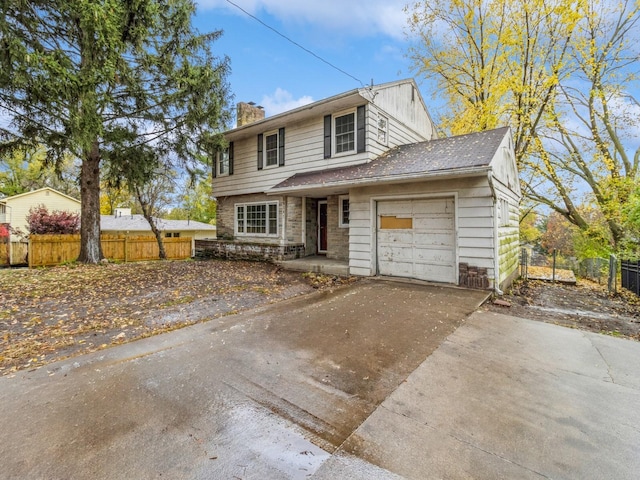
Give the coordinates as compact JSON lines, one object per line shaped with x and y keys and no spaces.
{"x":365,"y":38}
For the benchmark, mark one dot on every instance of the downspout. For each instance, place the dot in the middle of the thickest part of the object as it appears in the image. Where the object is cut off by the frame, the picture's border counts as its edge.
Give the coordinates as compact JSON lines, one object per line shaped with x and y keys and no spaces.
{"x":496,"y":239}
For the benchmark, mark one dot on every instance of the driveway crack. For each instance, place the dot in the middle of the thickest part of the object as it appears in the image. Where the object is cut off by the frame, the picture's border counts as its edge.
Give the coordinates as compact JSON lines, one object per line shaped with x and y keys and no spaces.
{"x":602,"y":357}
{"x":472,"y":445}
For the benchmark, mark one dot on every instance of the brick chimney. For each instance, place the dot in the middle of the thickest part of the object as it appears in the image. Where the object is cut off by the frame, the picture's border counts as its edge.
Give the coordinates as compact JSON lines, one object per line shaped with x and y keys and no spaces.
{"x":249,"y":113}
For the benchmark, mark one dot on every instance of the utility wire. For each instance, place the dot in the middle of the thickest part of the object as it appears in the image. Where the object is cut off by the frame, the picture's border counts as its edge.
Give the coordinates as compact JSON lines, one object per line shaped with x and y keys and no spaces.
{"x":295,"y":43}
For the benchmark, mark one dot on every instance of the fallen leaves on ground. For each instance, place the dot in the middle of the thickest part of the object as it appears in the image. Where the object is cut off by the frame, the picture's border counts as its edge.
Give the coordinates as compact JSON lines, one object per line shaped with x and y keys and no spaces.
{"x":53,"y":313}
{"x":586,"y":305}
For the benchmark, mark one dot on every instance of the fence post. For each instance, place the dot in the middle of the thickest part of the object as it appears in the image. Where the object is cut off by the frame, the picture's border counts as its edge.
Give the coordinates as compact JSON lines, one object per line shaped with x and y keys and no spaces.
{"x":524,"y":263}
{"x":553,"y":277}
{"x":613,"y":274}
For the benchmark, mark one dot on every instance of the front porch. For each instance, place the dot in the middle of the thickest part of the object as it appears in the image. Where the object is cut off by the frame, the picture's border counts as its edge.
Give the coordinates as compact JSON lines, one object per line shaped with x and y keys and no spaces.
{"x":317,"y":264}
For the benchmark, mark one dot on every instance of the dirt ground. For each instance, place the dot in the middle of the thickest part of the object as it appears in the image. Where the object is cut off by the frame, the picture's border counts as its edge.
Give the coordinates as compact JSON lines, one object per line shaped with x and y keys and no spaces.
{"x":586,"y":305}
{"x":55,"y":313}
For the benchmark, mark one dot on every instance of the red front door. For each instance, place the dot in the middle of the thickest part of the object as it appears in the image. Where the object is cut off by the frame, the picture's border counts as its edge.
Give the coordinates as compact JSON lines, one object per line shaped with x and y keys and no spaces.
{"x":322,"y":226}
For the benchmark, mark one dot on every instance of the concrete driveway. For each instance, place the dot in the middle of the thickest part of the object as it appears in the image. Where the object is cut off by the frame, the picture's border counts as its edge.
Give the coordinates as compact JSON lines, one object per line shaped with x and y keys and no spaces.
{"x":370,"y":381}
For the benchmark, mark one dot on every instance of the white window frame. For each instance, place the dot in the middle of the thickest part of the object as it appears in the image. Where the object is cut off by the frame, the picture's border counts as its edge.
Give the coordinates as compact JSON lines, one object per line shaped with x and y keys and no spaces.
{"x":240,"y":228}
{"x":334,"y":133}
{"x":264,"y":149}
{"x":341,"y":222}
{"x":504,"y":214}
{"x":221,"y":155}
{"x":383,"y":129}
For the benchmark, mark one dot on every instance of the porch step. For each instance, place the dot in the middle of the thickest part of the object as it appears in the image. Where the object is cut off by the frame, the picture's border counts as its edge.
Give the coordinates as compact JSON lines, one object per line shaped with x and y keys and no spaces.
{"x":317,"y":264}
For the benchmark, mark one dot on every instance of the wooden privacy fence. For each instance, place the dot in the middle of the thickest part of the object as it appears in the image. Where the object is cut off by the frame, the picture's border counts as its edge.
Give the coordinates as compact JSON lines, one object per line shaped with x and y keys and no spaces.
{"x":48,"y":250}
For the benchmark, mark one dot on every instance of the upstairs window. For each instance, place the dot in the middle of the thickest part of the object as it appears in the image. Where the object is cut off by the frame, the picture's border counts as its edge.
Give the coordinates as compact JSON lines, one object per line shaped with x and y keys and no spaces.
{"x":223,"y":162}
{"x":345,"y":132}
{"x":271,"y":149}
{"x":223,"y":166}
{"x":345,"y":127}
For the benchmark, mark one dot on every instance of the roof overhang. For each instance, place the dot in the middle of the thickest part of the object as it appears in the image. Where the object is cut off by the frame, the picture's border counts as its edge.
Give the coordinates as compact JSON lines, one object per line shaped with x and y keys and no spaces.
{"x":343,"y":186}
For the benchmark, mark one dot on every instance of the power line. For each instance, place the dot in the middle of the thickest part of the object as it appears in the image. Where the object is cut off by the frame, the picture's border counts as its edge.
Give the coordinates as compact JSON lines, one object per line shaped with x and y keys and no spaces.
{"x":295,"y":43}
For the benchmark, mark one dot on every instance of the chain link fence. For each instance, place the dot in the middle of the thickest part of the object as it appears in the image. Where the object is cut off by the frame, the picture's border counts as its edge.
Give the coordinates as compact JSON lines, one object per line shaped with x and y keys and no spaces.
{"x":556,"y":268}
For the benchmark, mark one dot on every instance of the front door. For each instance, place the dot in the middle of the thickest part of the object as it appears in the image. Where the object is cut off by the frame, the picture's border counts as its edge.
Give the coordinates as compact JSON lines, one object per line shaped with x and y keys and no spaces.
{"x":322,"y":226}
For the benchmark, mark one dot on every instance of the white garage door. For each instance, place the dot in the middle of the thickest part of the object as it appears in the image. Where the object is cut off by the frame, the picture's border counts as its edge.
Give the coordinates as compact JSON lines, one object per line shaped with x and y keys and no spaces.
{"x":416,"y":239}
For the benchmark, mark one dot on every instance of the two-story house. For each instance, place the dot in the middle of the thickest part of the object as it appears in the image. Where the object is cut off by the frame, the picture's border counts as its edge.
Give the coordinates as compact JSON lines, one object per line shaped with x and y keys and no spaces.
{"x":361,"y":177}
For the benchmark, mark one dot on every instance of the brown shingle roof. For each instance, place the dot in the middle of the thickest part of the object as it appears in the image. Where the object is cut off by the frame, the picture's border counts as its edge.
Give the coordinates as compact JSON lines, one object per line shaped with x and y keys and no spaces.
{"x":426,"y":158}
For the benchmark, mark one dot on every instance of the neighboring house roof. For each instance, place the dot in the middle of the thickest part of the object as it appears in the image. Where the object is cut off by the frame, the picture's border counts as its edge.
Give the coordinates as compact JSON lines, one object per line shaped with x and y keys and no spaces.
{"x":137,"y":223}
{"x":325,"y":106}
{"x":459,"y":155}
{"x":26,"y":194}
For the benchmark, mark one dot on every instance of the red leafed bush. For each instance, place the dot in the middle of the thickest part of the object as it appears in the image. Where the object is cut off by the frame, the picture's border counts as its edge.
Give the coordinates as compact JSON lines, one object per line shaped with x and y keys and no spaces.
{"x":41,"y":221}
{"x":4,"y":231}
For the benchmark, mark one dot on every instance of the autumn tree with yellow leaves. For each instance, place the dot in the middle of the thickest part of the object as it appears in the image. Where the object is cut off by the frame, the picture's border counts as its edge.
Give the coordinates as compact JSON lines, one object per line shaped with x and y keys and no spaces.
{"x":560,"y":73}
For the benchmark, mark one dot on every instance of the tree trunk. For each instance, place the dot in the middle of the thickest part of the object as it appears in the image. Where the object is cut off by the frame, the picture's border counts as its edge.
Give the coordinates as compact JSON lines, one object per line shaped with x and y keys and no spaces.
{"x":147,"y":214}
{"x":90,"y":248}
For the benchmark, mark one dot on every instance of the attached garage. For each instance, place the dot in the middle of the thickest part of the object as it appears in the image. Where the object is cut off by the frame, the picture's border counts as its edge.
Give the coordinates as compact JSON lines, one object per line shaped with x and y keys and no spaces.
{"x":416,"y":239}
{"x":445,"y":210}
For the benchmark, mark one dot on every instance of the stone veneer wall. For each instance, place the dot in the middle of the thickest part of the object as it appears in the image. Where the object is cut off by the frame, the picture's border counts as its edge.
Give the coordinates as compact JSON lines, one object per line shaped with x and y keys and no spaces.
{"x":247,"y":251}
{"x":337,"y":238}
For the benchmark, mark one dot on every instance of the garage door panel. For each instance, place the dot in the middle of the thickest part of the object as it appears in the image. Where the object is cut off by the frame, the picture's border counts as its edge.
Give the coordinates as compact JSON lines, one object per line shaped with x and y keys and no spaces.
{"x":389,"y":253}
{"x":433,"y":238}
{"x":426,"y":250}
{"x":437,"y":206}
{"x":395,"y":237}
{"x":434,"y":273}
{"x":436,"y":256}
{"x":398,"y":269}
{"x":433,"y":222}
{"x":395,"y":208}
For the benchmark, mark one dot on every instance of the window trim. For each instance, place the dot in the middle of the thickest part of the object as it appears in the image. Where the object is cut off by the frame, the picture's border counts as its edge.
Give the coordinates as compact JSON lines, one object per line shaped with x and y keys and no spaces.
{"x":270,"y":133}
{"x":219,"y":163}
{"x":504,"y":214}
{"x":334,"y":133}
{"x":341,"y":200}
{"x":268,"y":233}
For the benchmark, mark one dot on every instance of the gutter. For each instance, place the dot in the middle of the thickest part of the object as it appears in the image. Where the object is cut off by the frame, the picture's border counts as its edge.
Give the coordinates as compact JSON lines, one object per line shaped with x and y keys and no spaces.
{"x":496,"y":239}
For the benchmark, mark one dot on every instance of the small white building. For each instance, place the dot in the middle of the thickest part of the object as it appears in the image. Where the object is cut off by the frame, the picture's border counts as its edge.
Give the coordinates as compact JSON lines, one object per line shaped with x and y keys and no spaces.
{"x":14,"y":210}
{"x":122,"y":222}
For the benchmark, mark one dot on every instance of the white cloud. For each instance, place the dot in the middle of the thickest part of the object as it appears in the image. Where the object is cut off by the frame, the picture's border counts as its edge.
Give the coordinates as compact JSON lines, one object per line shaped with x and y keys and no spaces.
{"x":282,"y":101}
{"x":360,"y":17}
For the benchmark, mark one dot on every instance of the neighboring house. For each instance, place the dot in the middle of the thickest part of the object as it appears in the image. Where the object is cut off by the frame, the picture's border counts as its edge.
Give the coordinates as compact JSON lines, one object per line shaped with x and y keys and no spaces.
{"x":361,"y":177}
{"x":14,"y":210}
{"x":124,"y":223}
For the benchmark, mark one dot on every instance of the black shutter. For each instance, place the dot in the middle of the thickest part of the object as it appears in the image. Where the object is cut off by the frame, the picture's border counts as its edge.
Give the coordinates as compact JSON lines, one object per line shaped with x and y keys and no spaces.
{"x":260,"y":151}
{"x":361,"y":129}
{"x":214,"y":168}
{"x":327,"y":136}
{"x":230,"y":158}
{"x":281,"y":147}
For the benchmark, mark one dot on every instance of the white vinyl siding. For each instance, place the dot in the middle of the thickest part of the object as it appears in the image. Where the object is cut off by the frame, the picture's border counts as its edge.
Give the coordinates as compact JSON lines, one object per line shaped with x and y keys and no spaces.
{"x":407,"y":122}
{"x":473,"y":227}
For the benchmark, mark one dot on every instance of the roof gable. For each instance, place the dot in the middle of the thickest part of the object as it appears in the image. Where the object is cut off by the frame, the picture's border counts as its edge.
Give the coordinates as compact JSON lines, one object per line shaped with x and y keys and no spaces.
{"x":32,"y":192}
{"x":342,"y":101}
